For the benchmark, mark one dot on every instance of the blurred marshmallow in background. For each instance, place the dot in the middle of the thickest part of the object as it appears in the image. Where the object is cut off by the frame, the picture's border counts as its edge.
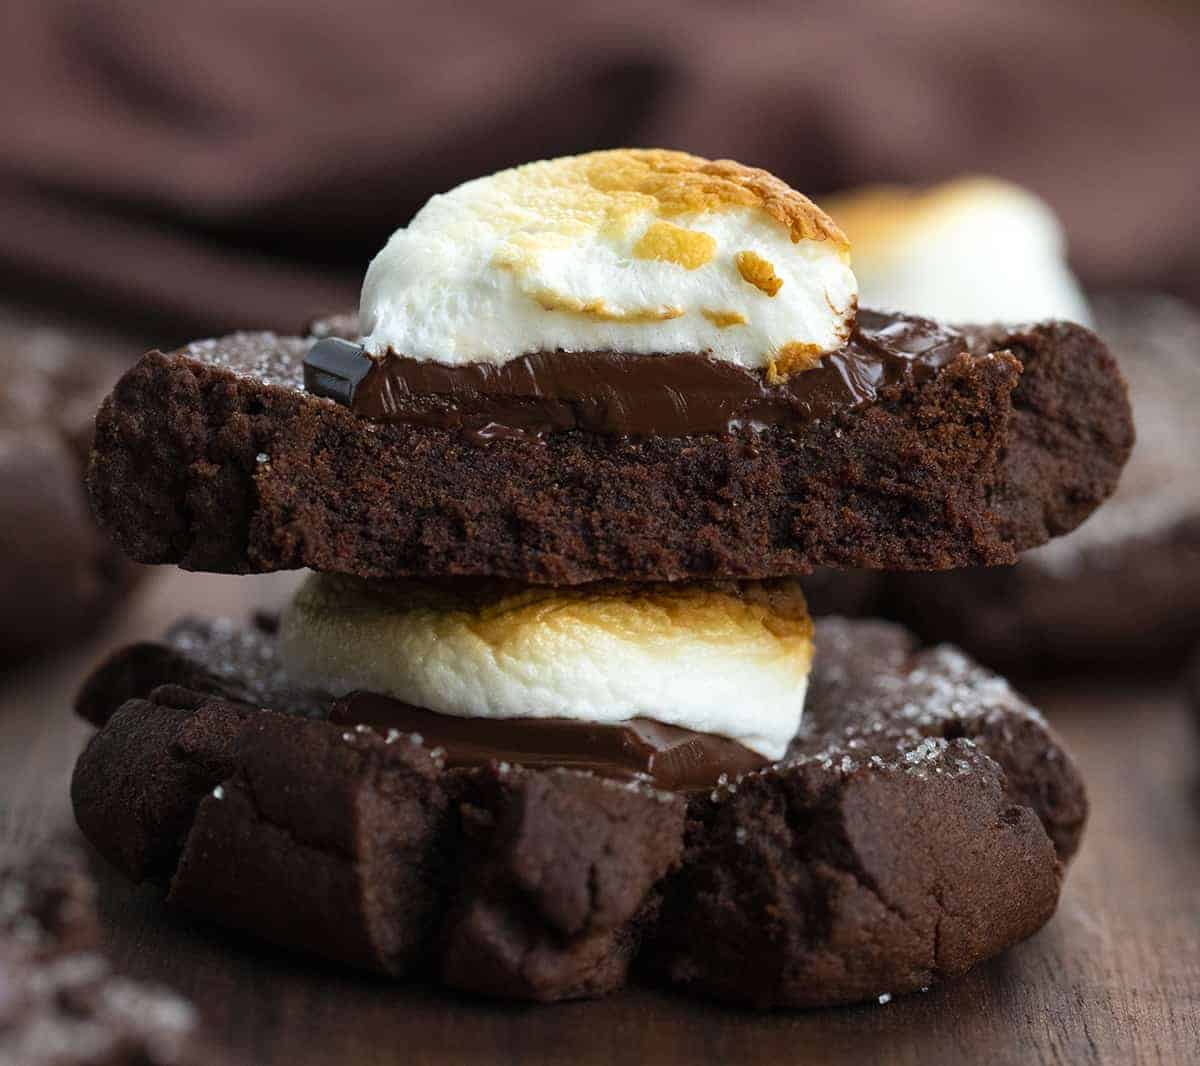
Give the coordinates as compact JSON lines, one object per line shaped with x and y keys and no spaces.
{"x":977,"y":249}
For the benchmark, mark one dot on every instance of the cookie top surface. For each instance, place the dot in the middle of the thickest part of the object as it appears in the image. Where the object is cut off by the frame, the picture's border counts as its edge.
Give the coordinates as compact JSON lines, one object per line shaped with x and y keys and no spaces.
{"x":631,"y":250}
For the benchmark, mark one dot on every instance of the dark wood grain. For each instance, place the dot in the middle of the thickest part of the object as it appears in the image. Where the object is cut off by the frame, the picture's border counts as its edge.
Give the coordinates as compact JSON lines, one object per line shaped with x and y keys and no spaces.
{"x":1115,"y":978}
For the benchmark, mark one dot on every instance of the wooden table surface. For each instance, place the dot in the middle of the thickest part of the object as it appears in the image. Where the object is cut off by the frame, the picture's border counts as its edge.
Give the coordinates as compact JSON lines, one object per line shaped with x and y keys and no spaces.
{"x":1114,"y":978}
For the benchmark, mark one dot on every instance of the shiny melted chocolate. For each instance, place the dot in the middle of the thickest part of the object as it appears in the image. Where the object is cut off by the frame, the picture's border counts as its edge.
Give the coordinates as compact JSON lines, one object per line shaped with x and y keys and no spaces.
{"x":621,"y":393}
{"x":662,"y":755}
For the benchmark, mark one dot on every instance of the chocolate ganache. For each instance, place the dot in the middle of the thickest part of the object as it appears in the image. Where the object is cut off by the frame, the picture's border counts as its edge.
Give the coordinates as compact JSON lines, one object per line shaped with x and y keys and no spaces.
{"x":664,"y":755}
{"x":621,"y":393}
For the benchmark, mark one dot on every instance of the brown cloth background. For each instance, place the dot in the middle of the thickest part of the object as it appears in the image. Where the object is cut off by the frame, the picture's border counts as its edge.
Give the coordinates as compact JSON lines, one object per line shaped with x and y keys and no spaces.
{"x":181,"y":168}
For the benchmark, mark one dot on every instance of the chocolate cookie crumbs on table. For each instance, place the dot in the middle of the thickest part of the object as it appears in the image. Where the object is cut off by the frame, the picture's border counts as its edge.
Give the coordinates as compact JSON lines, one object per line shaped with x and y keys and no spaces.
{"x":60,"y":1003}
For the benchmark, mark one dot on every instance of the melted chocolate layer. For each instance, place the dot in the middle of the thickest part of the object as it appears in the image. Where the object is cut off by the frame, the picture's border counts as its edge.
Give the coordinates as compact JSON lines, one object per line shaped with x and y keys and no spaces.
{"x":670,"y":757}
{"x":621,"y":393}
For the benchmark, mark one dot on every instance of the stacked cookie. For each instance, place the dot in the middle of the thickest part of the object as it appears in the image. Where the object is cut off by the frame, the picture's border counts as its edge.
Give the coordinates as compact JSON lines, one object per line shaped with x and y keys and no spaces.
{"x":552,"y":701}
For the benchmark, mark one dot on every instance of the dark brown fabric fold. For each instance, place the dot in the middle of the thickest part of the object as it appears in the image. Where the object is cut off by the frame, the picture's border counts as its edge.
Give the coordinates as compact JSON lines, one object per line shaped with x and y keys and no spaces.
{"x":200,"y":167}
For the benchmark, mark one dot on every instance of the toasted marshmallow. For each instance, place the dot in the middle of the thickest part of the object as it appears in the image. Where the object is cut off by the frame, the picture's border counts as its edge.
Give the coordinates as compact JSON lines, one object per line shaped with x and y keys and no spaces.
{"x":974,"y":250}
{"x":730,"y":662}
{"x":641,"y":251}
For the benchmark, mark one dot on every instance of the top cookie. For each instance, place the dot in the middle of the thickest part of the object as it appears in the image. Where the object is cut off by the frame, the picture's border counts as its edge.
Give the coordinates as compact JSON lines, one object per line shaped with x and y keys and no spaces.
{"x":217,"y":458}
{"x":628,"y":365}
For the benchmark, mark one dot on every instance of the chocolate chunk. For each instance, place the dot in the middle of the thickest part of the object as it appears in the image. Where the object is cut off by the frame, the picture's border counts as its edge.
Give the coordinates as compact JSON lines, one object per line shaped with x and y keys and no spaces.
{"x":991,"y":455}
{"x":664,"y":755}
{"x":643,"y":395}
{"x":335,"y":368}
{"x":613,"y":392}
{"x":919,"y":823}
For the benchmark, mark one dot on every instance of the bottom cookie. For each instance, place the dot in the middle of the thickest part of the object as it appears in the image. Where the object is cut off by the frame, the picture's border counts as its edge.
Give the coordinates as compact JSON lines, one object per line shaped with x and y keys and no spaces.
{"x":918,"y":824}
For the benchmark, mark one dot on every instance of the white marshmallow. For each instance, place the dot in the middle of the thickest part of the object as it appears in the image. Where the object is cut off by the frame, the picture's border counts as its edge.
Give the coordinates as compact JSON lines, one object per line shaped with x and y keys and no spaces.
{"x":975,"y":250}
{"x":688,"y":655}
{"x":627,"y":250}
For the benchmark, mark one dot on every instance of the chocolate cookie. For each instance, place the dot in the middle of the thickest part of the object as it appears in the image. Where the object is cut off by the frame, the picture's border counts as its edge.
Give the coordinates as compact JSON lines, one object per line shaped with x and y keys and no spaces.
{"x":913,"y":447}
{"x":919,"y":823}
{"x":60,"y":1005}
{"x":1122,"y":592}
{"x":59,"y":574}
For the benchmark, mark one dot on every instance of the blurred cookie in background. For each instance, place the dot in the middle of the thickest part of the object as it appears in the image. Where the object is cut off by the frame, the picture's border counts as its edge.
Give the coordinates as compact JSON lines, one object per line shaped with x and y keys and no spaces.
{"x":1123,"y":591}
{"x":59,"y":575}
